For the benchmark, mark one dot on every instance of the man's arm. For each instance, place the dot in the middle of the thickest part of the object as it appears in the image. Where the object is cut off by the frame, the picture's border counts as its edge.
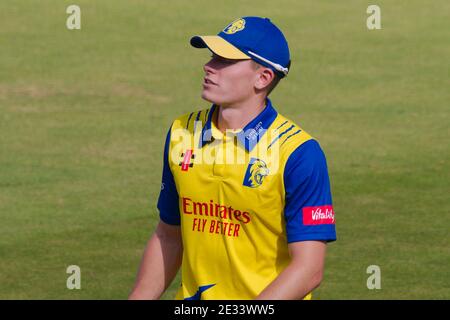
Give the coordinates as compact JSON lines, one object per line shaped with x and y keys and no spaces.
{"x":160,"y":263}
{"x":301,"y":276}
{"x":310,"y":224}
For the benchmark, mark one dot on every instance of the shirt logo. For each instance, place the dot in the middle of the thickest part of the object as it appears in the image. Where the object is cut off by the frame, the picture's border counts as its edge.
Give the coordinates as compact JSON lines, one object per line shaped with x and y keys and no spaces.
{"x":256,"y":171}
{"x":198,"y":294}
{"x":186,"y":163}
{"x":235,"y":26}
{"x":318,"y":215}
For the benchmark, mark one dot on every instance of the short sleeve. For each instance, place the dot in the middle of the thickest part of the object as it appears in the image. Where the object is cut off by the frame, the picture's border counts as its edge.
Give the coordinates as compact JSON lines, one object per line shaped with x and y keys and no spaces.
{"x":308,"y":209}
{"x":169,"y":211}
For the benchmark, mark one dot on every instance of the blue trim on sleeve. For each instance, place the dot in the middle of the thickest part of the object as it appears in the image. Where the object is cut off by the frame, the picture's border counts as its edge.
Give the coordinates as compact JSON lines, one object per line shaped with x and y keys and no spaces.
{"x":324,"y":236}
{"x":169,"y":211}
{"x":307,"y":184}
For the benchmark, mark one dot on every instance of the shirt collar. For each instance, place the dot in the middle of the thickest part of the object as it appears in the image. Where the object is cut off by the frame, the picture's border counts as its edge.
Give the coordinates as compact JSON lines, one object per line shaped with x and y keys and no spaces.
{"x":250,"y":135}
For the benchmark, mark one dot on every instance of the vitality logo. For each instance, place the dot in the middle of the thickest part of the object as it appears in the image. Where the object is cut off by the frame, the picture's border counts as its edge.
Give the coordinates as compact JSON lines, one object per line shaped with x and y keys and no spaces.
{"x":318,"y":215}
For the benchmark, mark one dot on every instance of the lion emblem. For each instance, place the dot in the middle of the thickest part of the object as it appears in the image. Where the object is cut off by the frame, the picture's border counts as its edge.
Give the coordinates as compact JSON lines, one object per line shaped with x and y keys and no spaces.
{"x":256,"y":171}
{"x":235,"y":26}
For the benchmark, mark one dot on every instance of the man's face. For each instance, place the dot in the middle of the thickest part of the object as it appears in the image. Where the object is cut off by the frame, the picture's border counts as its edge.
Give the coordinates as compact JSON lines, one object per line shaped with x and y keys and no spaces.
{"x":227,"y":81}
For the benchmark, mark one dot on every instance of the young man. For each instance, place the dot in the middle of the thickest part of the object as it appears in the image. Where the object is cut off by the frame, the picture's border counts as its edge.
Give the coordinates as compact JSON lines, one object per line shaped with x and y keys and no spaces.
{"x":245,"y":203}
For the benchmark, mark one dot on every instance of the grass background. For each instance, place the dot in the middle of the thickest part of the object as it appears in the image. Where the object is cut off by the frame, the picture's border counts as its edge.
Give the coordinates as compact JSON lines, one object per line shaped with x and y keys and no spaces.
{"x":84,"y":115}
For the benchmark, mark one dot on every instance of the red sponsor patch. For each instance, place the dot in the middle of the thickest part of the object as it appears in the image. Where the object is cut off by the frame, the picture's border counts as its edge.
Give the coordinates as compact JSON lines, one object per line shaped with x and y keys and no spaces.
{"x":318,"y":215}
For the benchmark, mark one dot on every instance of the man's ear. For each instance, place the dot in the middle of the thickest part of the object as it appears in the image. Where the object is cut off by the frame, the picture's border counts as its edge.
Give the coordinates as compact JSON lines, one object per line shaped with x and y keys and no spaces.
{"x":265,"y":77}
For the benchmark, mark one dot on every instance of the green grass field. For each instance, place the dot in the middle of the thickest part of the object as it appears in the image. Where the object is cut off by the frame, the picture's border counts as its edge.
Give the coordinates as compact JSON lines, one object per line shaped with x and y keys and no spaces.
{"x":84,"y":115}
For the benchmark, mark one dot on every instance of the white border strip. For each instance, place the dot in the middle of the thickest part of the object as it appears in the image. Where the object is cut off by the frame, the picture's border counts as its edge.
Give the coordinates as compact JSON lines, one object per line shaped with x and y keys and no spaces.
{"x":275,"y":65}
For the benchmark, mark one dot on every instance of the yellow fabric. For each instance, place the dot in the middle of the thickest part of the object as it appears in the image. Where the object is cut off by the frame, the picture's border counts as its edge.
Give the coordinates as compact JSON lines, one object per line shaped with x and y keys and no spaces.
{"x":223,"y":48}
{"x":234,"y":236}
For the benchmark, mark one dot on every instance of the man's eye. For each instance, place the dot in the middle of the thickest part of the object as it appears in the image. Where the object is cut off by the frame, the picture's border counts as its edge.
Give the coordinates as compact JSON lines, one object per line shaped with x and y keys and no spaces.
{"x":226,"y":61}
{"x":222,"y":60}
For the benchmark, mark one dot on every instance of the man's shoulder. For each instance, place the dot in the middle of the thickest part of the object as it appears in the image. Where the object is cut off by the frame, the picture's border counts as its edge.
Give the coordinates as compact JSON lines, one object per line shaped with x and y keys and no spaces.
{"x":191,"y":119}
{"x":298,"y":148}
{"x":290,"y":136}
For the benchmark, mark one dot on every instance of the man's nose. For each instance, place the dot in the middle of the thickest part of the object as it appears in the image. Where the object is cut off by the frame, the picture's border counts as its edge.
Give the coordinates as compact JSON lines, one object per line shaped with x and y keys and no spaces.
{"x":209,"y":67}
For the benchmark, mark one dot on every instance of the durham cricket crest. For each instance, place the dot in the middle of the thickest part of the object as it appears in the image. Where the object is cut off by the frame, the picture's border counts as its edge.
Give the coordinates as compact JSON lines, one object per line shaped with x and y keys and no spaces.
{"x":256,"y":171}
{"x":235,"y":26}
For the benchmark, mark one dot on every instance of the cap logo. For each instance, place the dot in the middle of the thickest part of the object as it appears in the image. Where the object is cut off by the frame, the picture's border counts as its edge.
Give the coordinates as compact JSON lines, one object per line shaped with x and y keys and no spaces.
{"x":235,"y":26}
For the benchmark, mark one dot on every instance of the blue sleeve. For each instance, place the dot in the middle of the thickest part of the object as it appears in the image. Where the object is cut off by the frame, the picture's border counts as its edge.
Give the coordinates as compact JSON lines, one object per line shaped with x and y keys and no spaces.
{"x":308,"y":210}
{"x":169,"y":211}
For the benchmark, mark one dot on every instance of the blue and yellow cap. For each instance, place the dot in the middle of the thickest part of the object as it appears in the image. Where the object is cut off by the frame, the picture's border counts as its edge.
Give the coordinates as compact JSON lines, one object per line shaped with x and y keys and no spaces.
{"x":250,"y":38}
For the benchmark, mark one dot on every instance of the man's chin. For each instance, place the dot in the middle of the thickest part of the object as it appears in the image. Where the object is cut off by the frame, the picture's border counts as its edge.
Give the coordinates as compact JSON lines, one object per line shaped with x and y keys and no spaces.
{"x":208,"y":98}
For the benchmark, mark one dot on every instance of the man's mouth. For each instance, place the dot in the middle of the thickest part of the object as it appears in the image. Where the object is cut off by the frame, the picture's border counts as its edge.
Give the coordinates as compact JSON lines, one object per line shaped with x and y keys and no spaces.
{"x":208,"y":81}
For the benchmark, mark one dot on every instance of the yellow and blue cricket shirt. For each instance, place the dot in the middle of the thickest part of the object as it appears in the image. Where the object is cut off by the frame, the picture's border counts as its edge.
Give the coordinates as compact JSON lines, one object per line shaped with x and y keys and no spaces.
{"x":240,"y":197}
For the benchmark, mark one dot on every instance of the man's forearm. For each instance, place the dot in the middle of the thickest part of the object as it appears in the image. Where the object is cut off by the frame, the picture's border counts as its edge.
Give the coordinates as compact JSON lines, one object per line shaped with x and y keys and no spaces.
{"x":301,"y":276}
{"x":160,"y":263}
{"x":293,"y":283}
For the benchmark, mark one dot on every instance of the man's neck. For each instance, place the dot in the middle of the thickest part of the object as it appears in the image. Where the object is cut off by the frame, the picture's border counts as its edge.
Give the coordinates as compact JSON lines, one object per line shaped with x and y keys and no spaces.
{"x":239,"y":115}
